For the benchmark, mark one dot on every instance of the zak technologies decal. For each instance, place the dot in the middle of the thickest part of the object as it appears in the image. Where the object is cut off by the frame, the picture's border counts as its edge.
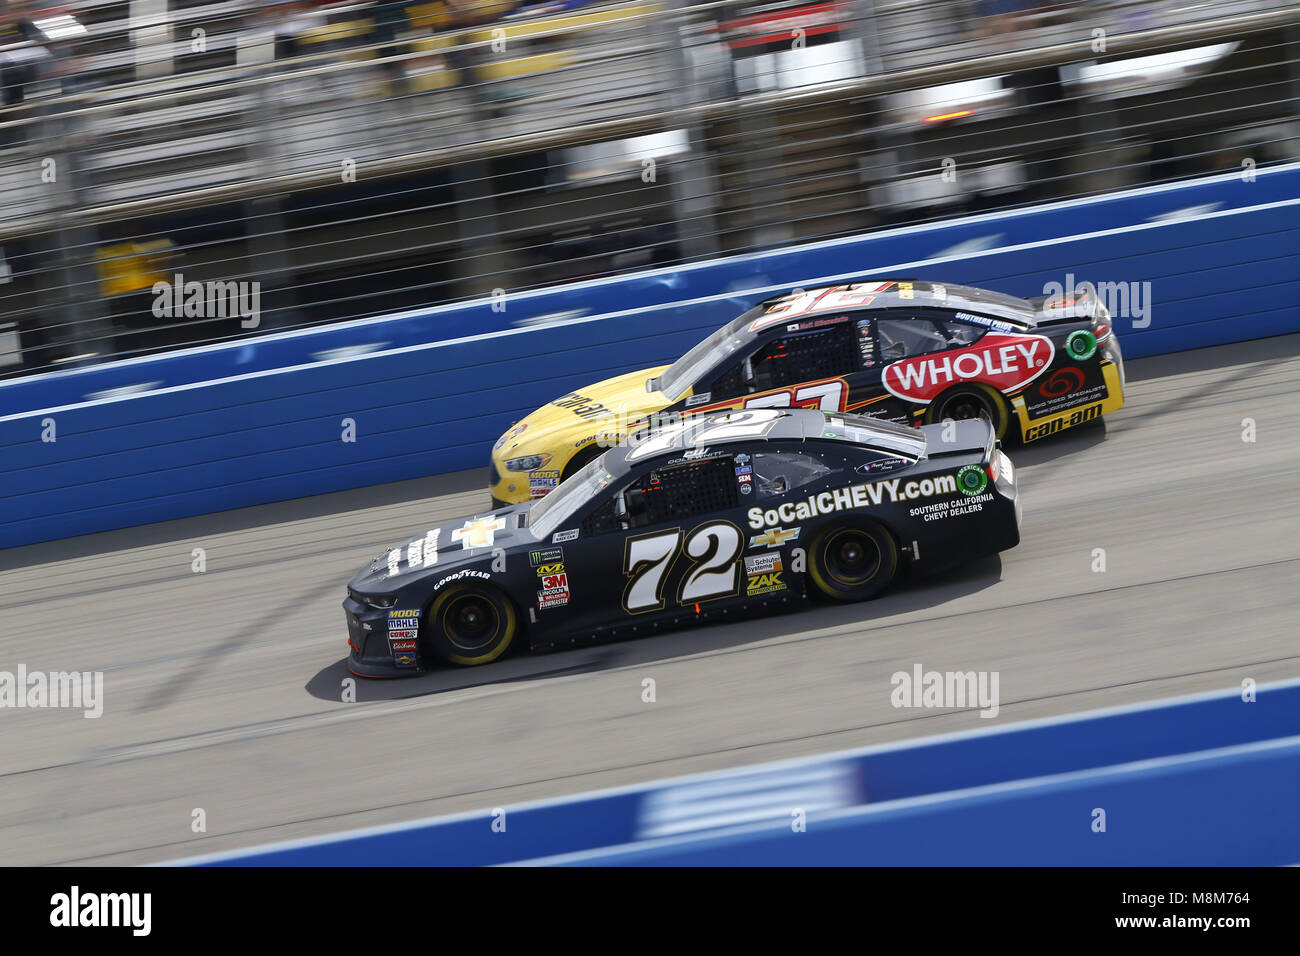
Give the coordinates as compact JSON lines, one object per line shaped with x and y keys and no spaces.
{"x":1005,"y":361}
{"x":764,"y":574}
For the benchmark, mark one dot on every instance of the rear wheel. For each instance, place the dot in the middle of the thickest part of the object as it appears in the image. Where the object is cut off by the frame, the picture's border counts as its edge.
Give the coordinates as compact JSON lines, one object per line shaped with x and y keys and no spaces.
{"x":853,"y":562}
{"x":972,"y":401}
{"x":468,"y":625}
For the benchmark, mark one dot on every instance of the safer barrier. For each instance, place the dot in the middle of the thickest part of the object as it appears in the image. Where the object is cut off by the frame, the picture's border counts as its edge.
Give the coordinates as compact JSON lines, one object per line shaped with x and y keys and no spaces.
{"x":1219,"y":271}
{"x":1027,"y":794}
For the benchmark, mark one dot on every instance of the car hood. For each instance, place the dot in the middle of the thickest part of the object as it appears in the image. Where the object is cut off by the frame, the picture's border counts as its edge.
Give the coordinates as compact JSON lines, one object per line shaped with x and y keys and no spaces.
{"x":575,"y":419}
{"x":443,"y":549}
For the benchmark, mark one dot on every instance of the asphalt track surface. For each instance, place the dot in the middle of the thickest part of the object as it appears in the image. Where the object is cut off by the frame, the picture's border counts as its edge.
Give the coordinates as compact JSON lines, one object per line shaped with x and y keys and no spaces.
{"x":223,"y":689}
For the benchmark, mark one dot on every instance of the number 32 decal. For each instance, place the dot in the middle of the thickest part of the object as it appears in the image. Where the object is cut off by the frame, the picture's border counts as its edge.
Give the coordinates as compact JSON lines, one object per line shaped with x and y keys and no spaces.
{"x":712,"y":549}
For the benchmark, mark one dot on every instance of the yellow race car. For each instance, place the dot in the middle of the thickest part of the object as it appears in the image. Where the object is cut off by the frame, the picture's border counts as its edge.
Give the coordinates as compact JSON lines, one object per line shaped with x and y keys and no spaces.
{"x":907,"y":351}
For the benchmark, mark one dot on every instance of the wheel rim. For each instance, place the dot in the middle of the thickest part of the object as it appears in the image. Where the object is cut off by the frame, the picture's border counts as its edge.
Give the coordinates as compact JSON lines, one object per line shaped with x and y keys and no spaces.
{"x":966,"y":406}
{"x":470,"y":622}
{"x":852,"y":558}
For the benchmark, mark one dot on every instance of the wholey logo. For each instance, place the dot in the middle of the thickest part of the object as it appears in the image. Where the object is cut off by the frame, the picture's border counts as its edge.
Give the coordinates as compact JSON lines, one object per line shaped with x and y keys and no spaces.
{"x":84,"y":690}
{"x":948,"y":689}
{"x":208,"y":300}
{"x":103,"y":909}
{"x":1005,"y":361}
{"x":1123,"y":300}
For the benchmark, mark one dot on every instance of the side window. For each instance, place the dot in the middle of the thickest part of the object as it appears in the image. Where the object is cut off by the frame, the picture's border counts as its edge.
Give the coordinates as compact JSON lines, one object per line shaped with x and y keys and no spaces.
{"x":601,"y":520}
{"x":729,"y":384}
{"x":904,"y":337}
{"x":681,"y":491}
{"x":776,"y":472}
{"x":960,"y":333}
{"x":805,"y":356}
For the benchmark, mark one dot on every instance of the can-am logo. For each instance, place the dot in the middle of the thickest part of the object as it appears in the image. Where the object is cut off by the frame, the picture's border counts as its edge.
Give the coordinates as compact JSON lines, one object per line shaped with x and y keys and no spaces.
{"x":1006,"y":362}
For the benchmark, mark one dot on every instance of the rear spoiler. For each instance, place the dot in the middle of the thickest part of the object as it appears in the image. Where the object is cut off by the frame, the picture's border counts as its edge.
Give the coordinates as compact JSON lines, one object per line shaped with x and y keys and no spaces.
{"x":1081,"y":303}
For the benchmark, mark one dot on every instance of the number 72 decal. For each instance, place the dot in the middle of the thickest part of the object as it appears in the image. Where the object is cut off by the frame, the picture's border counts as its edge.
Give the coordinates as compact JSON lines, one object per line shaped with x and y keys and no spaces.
{"x":713,"y":550}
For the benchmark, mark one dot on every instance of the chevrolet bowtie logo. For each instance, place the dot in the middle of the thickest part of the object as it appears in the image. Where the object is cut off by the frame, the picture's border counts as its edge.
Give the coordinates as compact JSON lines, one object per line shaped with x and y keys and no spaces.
{"x":773,"y":537}
{"x":478,"y":532}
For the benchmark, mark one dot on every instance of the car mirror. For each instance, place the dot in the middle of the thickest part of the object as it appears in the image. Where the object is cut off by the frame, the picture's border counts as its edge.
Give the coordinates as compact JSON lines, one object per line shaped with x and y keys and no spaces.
{"x":747,"y":375}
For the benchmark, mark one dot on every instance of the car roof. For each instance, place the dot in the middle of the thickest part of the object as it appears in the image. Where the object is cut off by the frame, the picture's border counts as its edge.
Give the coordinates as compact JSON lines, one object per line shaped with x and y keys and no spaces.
{"x":885,"y":294}
{"x":676,"y":440}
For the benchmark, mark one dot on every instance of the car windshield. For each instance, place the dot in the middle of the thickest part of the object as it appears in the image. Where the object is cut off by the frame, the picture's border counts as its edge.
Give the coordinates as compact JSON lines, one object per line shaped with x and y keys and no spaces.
{"x":686,"y":371}
{"x":546,"y":516}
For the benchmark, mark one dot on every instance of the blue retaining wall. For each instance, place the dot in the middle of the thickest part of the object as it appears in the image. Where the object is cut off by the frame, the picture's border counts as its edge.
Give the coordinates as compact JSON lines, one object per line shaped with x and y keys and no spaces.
{"x":1227,"y":272}
{"x":1023,"y":794}
{"x":740,"y":275}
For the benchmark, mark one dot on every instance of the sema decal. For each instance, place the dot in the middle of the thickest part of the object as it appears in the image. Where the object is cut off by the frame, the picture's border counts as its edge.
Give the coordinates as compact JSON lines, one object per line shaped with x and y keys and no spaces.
{"x":856,"y":496}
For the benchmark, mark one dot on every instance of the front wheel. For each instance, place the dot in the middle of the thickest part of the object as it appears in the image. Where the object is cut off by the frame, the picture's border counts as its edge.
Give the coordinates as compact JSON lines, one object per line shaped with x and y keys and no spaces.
{"x":467,"y":625}
{"x":853,"y":562}
{"x":972,"y":401}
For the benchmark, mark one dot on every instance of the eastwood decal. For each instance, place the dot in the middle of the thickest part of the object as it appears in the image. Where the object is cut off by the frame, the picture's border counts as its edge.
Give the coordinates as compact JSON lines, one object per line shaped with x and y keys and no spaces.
{"x":857,"y":496}
{"x":1007,"y":362}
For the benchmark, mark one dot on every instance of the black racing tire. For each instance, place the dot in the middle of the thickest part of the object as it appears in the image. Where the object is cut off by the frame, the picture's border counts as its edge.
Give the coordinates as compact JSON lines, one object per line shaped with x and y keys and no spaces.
{"x":468,"y":625}
{"x":581,"y":459}
{"x":853,"y":562}
{"x":972,"y":400}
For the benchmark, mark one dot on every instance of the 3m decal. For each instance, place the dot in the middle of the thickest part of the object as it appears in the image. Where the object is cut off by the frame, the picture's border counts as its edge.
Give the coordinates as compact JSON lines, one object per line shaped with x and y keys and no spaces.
{"x":1006,"y":362}
{"x":865,"y":495}
{"x":478,"y":532}
{"x":554,"y":591}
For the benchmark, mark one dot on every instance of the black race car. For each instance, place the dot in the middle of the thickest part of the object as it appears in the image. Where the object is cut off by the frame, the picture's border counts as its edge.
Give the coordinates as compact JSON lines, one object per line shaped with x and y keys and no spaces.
{"x":712,"y":516}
